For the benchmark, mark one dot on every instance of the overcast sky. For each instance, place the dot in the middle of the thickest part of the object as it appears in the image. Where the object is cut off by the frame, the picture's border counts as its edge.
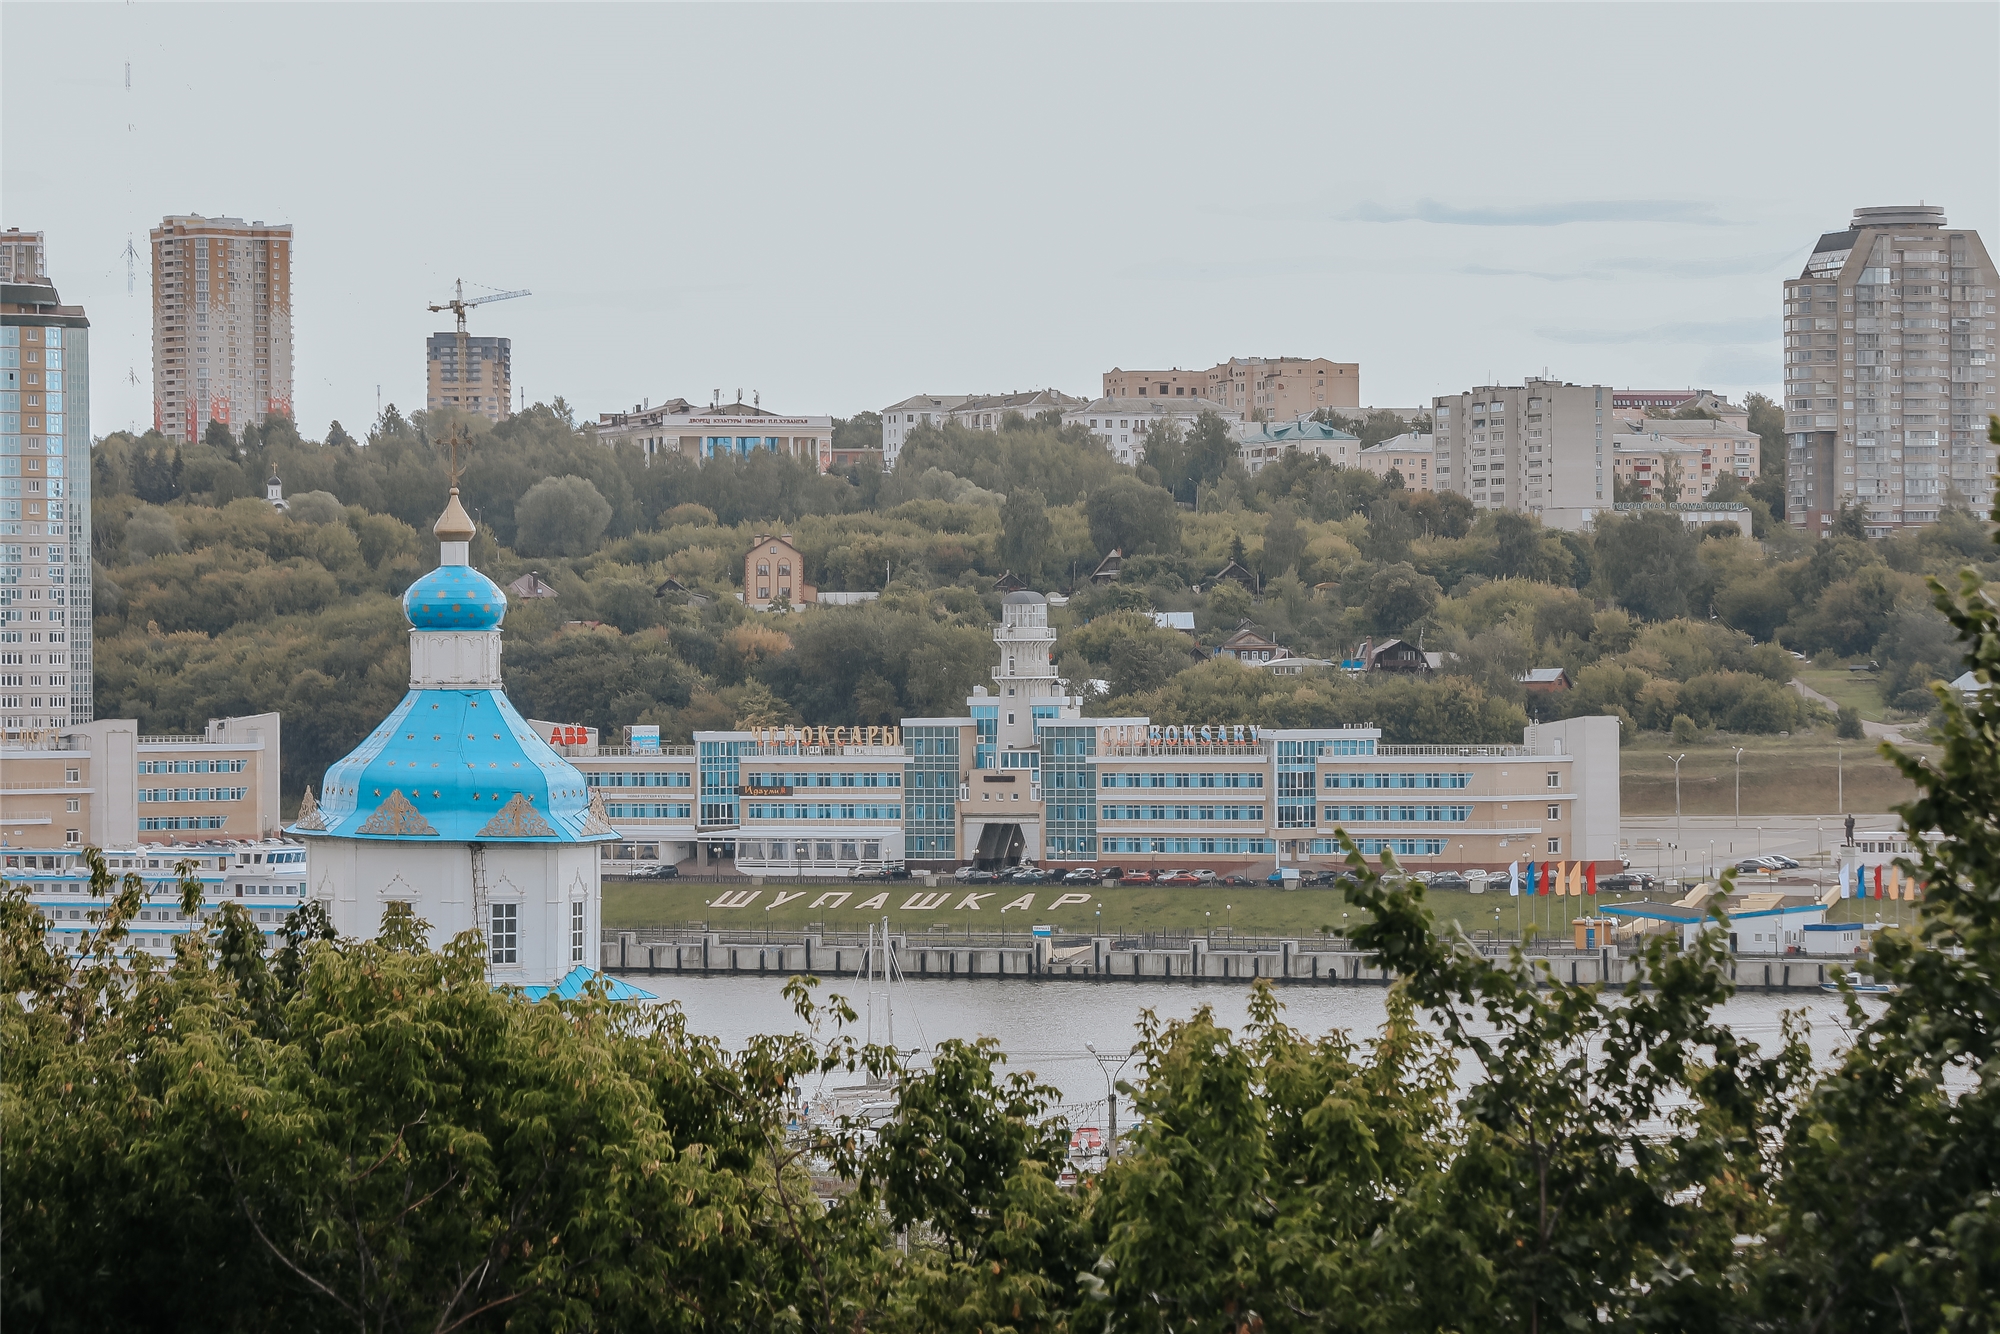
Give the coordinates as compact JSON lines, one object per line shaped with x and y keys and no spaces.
{"x":839,"y":206}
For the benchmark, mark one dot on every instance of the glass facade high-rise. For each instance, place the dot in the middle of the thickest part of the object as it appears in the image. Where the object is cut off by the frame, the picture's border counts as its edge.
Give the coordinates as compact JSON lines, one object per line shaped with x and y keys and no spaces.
{"x":45,"y":631}
{"x":1890,"y":350}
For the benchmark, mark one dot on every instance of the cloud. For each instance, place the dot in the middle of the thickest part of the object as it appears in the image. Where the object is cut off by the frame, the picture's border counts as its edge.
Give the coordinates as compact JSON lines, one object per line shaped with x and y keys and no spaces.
{"x":1607,"y":270}
{"x":1750,"y":329}
{"x":1542,"y":215}
{"x":1743,"y":366}
{"x":1485,"y":271}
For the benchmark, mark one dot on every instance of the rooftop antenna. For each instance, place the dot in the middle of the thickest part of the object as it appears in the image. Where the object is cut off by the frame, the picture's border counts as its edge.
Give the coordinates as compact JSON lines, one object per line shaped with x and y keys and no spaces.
{"x":756,"y":398}
{"x":131,"y":251}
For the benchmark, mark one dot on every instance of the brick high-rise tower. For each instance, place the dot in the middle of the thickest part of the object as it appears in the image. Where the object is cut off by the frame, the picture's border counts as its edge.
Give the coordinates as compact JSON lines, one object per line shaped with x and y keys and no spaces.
{"x":222,"y":324}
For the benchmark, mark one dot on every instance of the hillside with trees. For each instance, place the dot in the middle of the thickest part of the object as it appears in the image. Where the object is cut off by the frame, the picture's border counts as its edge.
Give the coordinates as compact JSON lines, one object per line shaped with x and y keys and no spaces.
{"x":209,"y":602}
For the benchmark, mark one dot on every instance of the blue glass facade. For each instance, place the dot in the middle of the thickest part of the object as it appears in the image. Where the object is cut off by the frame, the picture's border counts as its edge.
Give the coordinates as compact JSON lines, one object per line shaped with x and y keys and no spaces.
{"x":1069,"y":789}
{"x":45,"y":495}
{"x":930,"y":792}
{"x":719,"y":780}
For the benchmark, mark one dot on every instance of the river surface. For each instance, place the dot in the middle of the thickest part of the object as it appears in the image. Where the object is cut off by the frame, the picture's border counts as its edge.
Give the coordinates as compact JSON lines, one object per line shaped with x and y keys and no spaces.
{"x":1045,"y":1026}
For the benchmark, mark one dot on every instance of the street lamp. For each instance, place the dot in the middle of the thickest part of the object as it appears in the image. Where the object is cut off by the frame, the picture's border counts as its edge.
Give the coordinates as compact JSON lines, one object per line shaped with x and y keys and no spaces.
{"x":1677,"y":793}
{"x":1739,"y":787}
{"x":1110,"y":1097}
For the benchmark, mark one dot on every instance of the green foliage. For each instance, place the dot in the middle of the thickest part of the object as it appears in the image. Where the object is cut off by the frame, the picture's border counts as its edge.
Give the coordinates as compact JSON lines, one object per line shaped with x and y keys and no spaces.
{"x":1025,"y":533}
{"x":1127,"y":515}
{"x":560,"y":516}
{"x":1648,"y":560}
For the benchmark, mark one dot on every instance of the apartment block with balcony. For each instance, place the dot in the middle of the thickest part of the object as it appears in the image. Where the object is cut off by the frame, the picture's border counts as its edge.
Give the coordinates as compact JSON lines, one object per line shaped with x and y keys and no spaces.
{"x":222,"y":324}
{"x":899,"y":419}
{"x":1120,"y":424}
{"x":1890,"y":359}
{"x":1409,"y":456}
{"x":1267,"y":389}
{"x":1535,"y":448}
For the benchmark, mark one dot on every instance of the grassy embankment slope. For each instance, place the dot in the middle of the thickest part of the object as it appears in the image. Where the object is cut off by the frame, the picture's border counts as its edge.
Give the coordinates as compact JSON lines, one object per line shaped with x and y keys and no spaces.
{"x":1798,"y":775}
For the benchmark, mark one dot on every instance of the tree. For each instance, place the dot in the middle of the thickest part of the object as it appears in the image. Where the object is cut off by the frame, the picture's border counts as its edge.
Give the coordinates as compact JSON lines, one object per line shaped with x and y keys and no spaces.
{"x":1521,"y":549}
{"x":1025,"y":532}
{"x":560,"y":516}
{"x":1851,"y":521}
{"x":219,"y":437}
{"x":337,"y":436}
{"x":1887,"y":1183}
{"x":1649,"y":561}
{"x":861,"y":431}
{"x":1132,"y":517}
{"x":1398,"y":598}
{"x":151,"y":532}
{"x":1284,"y":544}
{"x":1767,"y":419}
{"x":1390,"y":531}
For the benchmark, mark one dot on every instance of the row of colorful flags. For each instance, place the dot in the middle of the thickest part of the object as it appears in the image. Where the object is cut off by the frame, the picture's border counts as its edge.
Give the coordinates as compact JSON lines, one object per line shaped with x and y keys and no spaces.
{"x":1565,"y":878}
{"x":1893,"y":885}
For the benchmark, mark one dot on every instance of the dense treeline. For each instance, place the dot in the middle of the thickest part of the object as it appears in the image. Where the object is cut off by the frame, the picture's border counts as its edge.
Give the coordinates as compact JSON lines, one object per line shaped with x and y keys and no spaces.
{"x":210,"y":602}
{"x":367,"y":1135}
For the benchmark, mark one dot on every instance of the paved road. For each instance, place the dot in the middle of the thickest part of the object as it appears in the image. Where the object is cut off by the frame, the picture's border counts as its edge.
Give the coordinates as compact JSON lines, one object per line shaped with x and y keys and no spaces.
{"x":1873,"y":731}
{"x":1714,"y":841}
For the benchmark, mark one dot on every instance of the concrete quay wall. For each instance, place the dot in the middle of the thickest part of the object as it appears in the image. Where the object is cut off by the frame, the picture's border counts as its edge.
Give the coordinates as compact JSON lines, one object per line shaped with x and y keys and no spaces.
{"x":1291,"y":962}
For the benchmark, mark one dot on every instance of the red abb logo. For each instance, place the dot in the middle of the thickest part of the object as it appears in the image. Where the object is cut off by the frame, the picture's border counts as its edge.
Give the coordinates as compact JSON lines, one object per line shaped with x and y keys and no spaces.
{"x":561,"y":735}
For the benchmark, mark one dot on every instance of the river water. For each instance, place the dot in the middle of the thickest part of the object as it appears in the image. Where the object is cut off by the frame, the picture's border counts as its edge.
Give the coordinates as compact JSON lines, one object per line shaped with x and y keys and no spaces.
{"x":1045,"y":1026}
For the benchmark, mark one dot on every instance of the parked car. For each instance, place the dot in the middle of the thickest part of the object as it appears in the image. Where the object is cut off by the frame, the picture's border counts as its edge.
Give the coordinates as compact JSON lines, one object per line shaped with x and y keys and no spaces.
{"x":1625,"y":882}
{"x":1753,"y":865}
{"x":893,"y":871}
{"x":1136,"y":877}
{"x":1242,"y":880}
{"x":1110,"y":872}
{"x":1782,"y":862}
{"x":1029,"y":875}
{"x":1082,"y":875}
{"x":1206,"y":877}
{"x":1179,"y":878}
{"x":1450,"y":880}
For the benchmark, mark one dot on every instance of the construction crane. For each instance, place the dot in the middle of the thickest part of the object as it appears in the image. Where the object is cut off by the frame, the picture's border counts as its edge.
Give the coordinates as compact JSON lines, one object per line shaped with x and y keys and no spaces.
{"x":458,"y":305}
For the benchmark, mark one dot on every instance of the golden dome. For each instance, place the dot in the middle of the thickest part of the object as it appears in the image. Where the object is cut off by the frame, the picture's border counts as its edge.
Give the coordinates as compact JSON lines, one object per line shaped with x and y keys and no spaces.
{"x":454,"y":525}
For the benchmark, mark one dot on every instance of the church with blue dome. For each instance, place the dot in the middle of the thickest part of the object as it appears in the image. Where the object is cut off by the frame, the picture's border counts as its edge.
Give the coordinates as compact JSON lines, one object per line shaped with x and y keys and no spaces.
{"x":455,"y":806}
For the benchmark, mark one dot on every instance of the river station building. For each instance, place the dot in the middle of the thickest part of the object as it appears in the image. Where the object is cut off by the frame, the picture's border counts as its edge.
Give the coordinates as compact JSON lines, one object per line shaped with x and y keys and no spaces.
{"x":1024,"y":776}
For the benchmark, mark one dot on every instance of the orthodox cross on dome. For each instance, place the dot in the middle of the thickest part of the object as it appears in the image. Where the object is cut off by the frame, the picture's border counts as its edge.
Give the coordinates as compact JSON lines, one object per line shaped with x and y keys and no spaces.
{"x":453,"y":468}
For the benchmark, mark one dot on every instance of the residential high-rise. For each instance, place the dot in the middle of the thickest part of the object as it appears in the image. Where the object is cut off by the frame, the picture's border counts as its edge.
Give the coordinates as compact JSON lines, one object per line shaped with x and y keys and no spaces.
{"x":222,"y":324}
{"x":21,"y":256}
{"x":1537,"y":448}
{"x":1889,"y":372}
{"x":488,"y":384}
{"x":45,"y":635}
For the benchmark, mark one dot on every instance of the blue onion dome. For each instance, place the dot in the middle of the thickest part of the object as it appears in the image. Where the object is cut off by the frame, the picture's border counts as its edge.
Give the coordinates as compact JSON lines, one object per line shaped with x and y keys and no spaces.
{"x":455,"y":597}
